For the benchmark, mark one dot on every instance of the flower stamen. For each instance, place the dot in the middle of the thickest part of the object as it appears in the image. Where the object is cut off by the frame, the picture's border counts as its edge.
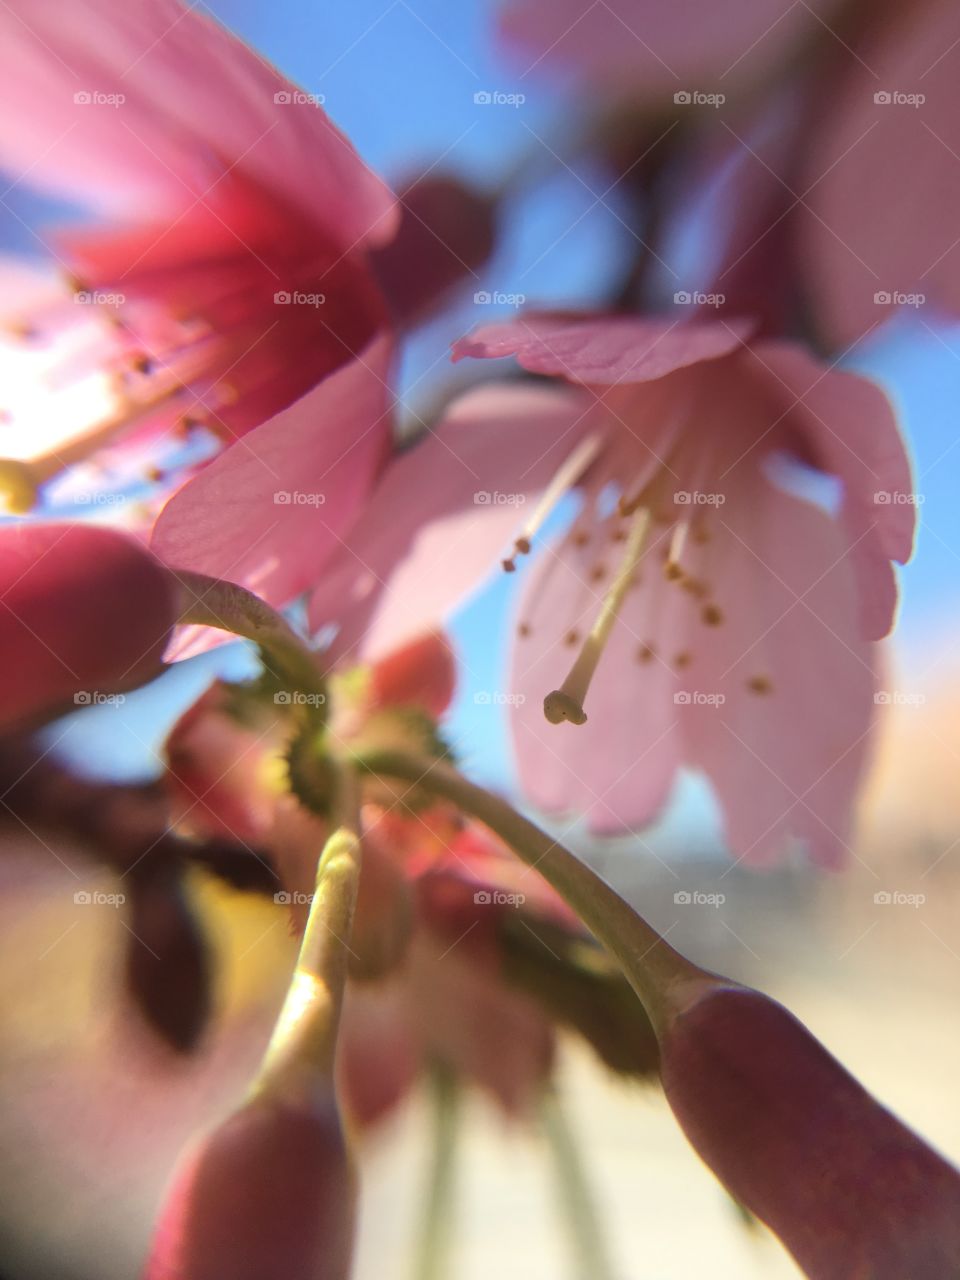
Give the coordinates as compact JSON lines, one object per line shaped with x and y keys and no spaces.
{"x":565,"y":477}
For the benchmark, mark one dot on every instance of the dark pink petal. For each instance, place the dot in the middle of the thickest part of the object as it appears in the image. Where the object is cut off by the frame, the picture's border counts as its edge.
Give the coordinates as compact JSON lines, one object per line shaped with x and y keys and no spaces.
{"x":795,"y":1138}
{"x":194,"y":103}
{"x":269,"y":511}
{"x":268,"y":1193}
{"x":85,"y":611}
{"x":603,"y":351}
{"x":444,"y":513}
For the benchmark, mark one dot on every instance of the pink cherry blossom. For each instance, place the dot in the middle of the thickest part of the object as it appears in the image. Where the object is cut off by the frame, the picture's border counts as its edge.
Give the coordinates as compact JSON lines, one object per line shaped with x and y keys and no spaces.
{"x":883,"y":176}
{"x":230,"y":256}
{"x":699,"y":611}
{"x":642,"y":49}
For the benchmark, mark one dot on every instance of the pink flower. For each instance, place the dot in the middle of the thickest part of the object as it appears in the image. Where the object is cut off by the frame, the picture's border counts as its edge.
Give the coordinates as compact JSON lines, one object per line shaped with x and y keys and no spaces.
{"x":645,"y":49}
{"x":84,"y":612}
{"x":233,"y":264}
{"x":700,"y":610}
{"x":883,"y":176}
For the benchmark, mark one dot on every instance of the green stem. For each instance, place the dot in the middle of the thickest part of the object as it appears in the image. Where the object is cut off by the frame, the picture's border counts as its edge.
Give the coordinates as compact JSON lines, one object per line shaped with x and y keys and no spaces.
{"x":576,"y":1200}
{"x":663,"y":979}
{"x":212,"y":602}
{"x":432,"y":1260}
{"x":302,"y":1050}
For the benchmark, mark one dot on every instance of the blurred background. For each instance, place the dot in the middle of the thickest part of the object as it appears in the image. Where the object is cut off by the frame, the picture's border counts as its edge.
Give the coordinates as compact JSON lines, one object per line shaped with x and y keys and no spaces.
{"x":92,"y":1114}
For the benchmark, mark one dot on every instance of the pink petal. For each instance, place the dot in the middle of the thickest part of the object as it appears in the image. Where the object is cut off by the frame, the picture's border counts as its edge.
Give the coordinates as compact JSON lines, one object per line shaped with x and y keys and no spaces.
{"x":444,"y":513}
{"x":883,"y":178}
{"x":786,"y":755}
{"x":603,"y":351}
{"x":851,"y":431}
{"x":85,"y":611}
{"x":269,"y":510}
{"x":195,"y":103}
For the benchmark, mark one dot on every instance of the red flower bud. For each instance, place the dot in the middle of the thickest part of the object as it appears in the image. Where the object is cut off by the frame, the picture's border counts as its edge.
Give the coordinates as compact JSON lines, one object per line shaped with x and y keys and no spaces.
{"x":849,"y":1190}
{"x":268,"y":1194}
{"x":86,"y":611}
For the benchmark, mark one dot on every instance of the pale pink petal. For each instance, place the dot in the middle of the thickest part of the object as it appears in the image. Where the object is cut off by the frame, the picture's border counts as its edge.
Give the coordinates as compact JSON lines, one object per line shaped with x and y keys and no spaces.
{"x":606,"y":350}
{"x":883,"y":179}
{"x":194,"y":102}
{"x":850,"y":430}
{"x":269,"y":510}
{"x":618,"y":768}
{"x":444,"y":514}
{"x":781,"y":691}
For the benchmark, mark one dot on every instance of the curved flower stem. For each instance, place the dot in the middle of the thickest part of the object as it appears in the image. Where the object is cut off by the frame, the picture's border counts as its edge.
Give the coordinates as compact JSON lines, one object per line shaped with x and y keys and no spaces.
{"x":302,"y":1049}
{"x":433,"y":1246}
{"x":213,"y":602}
{"x":661,"y":977}
{"x":577,"y":1203}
